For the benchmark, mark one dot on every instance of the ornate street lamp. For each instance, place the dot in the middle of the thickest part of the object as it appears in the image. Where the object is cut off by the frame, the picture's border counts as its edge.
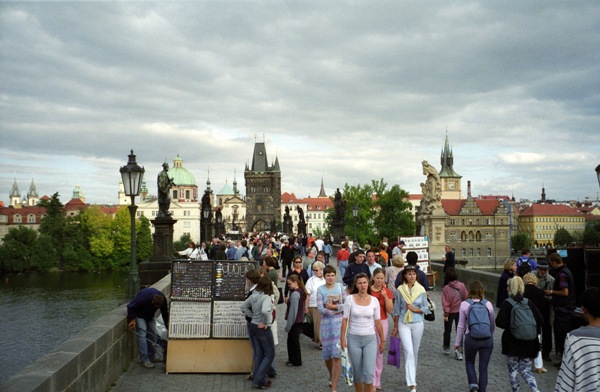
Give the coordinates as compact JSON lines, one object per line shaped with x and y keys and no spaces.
{"x":206,"y":213}
{"x":132,"y":175}
{"x":355,"y":214}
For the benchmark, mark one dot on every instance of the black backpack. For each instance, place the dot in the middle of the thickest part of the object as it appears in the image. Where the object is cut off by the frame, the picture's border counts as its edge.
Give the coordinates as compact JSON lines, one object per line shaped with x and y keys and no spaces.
{"x":524,"y":268}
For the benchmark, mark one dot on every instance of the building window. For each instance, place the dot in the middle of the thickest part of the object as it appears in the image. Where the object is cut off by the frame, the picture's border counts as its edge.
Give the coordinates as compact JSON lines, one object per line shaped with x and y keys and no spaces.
{"x":489,"y":251}
{"x":464,"y":252}
{"x":471,"y":252}
{"x":30,"y":218}
{"x":478,"y":236}
{"x":175,"y":194}
{"x":187,"y":194}
{"x":17,"y":218}
{"x":478,"y":252}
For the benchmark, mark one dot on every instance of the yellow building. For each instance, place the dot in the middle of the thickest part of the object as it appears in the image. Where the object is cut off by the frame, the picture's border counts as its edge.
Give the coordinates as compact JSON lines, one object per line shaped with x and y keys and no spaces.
{"x":541,"y":221}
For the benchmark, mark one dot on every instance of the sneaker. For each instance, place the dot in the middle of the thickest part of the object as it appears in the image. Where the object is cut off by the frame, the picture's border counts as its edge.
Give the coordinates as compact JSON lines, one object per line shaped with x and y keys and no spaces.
{"x":447,"y":351}
{"x":458,"y":355}
{"x":474,"y":389}
{"x":148,"y":365}
{"x":156,"y":358}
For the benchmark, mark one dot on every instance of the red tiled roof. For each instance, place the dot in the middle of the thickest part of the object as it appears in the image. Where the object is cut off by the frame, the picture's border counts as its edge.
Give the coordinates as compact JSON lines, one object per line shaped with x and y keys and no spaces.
{"x":486,"y":206}
{"x":318,"y":203}
{"x":287,"y":197}
{"x":549,"y":209}
{"x":415,"y":196}
{"x":75,"y":204}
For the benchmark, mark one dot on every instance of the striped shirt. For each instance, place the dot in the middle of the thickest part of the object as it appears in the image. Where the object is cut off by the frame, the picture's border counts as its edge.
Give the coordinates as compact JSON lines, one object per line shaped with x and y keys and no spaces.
{"x":580,"y":368}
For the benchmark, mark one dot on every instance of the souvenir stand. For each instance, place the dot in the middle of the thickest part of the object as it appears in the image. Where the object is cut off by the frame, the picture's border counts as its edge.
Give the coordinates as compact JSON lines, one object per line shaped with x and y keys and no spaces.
{"x":207,"y":329}
{"x":420,"y":245}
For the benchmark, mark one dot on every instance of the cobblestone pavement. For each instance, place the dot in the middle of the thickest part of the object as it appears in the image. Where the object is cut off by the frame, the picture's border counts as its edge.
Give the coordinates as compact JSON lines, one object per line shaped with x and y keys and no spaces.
{"x":435,"y":371}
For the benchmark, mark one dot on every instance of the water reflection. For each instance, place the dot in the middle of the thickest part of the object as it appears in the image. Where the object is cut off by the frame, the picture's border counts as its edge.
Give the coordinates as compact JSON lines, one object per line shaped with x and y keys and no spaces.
{"x":40,"y":311}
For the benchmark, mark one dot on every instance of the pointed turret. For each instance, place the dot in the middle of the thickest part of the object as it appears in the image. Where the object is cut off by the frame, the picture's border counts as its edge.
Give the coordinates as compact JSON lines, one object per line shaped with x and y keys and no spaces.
{"x":447,"y":161}
{"x":32,"y":195}
{"x":322,"y":191}
{"x":15,"y":195}
{"x":235,"y":189}
{"x":276,"y":165}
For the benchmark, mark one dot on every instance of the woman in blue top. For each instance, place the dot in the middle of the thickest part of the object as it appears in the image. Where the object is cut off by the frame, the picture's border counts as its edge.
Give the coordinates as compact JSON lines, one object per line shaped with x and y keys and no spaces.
{"x":410,"y":306}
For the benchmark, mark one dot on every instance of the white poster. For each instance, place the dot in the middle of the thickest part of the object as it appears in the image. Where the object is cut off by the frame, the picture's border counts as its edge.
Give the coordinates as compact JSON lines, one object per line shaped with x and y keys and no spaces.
{"x":189,"y":320}
{"x":228,"y":320}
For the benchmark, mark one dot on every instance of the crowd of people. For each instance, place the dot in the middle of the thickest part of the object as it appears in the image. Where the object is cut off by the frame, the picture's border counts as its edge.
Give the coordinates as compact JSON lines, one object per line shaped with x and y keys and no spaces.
{"x":347,"y":308}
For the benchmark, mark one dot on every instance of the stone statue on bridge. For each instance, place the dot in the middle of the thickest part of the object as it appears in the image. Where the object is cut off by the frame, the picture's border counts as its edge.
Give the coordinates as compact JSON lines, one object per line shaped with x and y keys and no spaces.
{"x":164,"y":183}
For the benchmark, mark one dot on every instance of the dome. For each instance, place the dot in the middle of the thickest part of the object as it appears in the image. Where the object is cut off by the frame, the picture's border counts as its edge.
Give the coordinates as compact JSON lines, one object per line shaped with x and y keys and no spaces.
{"x":180,"y":175}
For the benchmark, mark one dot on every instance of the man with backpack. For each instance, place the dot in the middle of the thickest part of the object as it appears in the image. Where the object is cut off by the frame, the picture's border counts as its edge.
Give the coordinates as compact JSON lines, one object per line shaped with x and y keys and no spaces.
{"x":525,"y":264}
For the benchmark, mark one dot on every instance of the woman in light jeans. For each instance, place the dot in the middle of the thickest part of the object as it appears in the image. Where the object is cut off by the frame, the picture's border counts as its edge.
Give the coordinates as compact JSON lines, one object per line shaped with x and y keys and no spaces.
{"x":313,"y":284}
{"x":386,"y":304}
{"x":410,"y":306}
{"x":361,"y":316}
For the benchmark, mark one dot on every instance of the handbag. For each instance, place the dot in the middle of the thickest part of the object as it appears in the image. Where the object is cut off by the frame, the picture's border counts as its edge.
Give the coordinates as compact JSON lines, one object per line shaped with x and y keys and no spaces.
{"x":307,"y":326}
{"x":347,"y":370}
{"x":430,"y":317}
{"x":394,"y":352}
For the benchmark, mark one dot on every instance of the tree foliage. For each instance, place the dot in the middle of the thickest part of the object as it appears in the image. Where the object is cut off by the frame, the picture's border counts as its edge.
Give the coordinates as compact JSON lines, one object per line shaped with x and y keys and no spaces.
{"x":562,"y":237}
{"x":519,"y":241}
{"x":382,"y":211}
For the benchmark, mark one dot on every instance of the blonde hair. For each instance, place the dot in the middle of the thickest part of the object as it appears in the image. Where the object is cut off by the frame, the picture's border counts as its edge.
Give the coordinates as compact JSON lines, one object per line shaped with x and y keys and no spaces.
{"x":530,"y":278}
{"x":398,"y":261}
{"x":516,"y":286}
{"x":509,"y":263}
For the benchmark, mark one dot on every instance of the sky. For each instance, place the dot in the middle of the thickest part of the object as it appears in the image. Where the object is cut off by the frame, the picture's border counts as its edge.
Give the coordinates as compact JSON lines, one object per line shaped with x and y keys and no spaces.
{"x":346,"y":92}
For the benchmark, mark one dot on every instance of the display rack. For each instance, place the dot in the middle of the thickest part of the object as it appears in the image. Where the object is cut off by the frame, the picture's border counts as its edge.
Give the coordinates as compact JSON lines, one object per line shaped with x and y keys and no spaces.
{"x":420,"y":245}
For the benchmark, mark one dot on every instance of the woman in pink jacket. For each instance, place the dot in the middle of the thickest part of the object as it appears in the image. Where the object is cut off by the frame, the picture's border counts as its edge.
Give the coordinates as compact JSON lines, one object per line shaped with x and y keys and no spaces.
{"x":453,"y":293}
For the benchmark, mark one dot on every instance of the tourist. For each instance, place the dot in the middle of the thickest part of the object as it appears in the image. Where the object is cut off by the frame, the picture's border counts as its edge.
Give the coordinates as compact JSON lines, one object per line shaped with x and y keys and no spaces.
{"x":327,"y":249}
{"x":384,"y":254}
{"x":330,"y":299}
{"x":258,"y":306}
{"x":386,"y":305}
{"x":294,"y":316}
{"x":242,"y":251}
{"x":362,"y":315}
{"x":186,"y":253}
{"x":355,"y":268}
{"x":563,"y":300}
{"x":308,"y":260}
{"x":140,"y":317}
{"x":373,"y":265}
{"x":519,"y":353}
{"x":342,"y":258}
{"x":391,"y":273}
{"x":270,"y":263}
{"x":411,"y":260}
{"x":475,"y":345}
{"x":298,"y":271}
{"x":410,"y":306}
{"x":581,"y":358}
{"x":535,"y":295}
{"x":453,"y":293}
{"x":287,"y":255}
{"x":231,"y":250}
{"x":312,"y":285}
{"x":510,"y":269}
{"x":545,"y":282}
{"x":448,"y":259}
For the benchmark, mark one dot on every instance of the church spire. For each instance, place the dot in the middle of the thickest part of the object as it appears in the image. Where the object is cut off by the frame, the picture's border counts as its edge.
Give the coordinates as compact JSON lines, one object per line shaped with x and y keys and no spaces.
{"x":322,"y":191}
{"x":235,"y":190}
{"x":447,"y":160}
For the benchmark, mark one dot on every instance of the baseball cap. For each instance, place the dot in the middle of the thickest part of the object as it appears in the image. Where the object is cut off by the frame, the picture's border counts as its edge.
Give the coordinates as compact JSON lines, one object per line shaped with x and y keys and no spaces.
{"x":401,"y":243}
{"x":542,"y":264}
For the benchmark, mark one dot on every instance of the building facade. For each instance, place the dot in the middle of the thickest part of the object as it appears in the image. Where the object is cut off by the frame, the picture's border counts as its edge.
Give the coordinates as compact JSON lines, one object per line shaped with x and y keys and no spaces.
{"x":541,"y":221}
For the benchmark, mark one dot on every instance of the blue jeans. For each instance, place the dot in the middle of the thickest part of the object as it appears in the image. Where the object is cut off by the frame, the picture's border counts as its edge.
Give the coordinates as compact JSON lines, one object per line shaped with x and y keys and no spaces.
{"x":342,"y":265}
{"x":363,"y":352}
{"x":484,"y":347}
{"x":253,"y":344}
{"x":146,"y":349}
{"x":265,"y":353}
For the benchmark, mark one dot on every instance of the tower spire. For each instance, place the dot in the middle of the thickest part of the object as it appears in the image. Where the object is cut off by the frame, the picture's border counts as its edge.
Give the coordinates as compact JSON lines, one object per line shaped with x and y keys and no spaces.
{"x":322,"y":191}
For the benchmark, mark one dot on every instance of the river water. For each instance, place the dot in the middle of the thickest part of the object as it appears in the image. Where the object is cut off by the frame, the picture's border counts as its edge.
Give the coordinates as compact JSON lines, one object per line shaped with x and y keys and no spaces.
{"x":40,"y":311}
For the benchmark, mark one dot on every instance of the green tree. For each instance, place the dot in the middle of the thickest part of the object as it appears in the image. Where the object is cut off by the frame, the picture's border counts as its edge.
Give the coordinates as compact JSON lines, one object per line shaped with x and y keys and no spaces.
{"x":362,"y":197}
{"x":98,"y":228}
{"x":17,"y":251}
{"x":394,"y":218}
{"x":182,"y":243}
{"x":562,"y":237}
{"x":44,"y":255}
{"x":519,"y":241}
{"x":121,"y":233}
{"x":591,"y":236}
{"x":54,"y":225}
{"x":144,"y":239}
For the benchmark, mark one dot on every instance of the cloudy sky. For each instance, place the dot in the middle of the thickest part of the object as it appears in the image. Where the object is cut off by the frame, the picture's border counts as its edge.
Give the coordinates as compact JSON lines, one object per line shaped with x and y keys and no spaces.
{"x":344,"y":91}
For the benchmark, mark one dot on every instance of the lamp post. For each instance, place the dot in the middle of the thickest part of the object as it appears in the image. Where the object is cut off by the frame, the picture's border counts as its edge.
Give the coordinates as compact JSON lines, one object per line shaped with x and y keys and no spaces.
{"x":205,"y":213}
{"x":132,"y":175}
{"x":598,"y":174}
{"x":355,"y":214}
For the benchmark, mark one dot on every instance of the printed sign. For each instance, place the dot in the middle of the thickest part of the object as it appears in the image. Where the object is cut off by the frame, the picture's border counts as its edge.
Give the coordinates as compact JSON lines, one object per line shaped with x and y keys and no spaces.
{"x":412,"y":243}
{"x":192,"y":281}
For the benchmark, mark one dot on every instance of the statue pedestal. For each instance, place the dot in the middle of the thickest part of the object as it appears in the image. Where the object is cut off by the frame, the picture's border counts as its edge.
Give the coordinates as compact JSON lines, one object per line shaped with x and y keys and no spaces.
{"x":159,"y":265}
{"x":302,"y":229}
{"x":435,"y":225}
{"x":338,"y":232}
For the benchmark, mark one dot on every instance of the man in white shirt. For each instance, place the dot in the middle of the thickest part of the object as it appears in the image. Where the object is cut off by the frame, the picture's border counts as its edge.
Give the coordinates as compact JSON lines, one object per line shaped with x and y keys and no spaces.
{"x":319,"y":242}
{"x":371,"y":261}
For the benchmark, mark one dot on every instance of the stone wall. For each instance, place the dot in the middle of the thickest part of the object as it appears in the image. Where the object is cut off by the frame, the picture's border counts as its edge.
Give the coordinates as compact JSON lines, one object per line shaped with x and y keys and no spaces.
{"x":489,"y":280}
{"x":90,"y":361}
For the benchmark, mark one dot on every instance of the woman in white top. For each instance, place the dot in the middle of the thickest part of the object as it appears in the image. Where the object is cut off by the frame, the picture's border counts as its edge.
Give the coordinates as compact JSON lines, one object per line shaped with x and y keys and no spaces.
{"x":312,"y":285}
{"x":361,"y":314}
